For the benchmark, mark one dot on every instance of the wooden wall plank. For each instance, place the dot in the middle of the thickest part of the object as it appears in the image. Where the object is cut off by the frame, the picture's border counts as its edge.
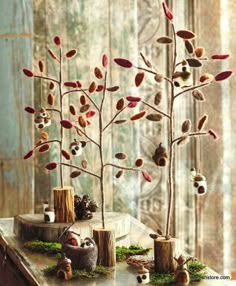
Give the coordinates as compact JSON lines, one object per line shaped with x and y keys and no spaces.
{"x":16,"y":176}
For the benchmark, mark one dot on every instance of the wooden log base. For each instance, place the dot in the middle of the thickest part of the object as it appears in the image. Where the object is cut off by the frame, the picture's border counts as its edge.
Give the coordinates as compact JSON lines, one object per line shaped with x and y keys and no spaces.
{"x":105,"y":240}
{"x":64,"y":204}
{"x":164,"y":252}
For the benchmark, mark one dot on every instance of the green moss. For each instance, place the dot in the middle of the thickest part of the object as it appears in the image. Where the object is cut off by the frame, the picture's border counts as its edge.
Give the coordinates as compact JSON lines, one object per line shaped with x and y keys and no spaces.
{"x":50,"y":248}
{"x":197,"y":272}
{"x":78,"y":274}
{"x":123,"y":252}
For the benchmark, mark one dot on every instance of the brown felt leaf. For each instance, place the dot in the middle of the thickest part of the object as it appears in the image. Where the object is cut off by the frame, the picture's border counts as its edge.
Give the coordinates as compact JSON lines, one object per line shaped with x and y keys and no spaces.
{"x":189,"y":46}
{"x":84,"y":163}
{"x":75,"y":174}
{"x":84,"y":108}
{"x":199,"y":52}
{"x":82,"y":121}
{"x":194,"y":63}
{"x":139,"y":78}
{"x":65,"y":154}
{"x":202,"y":122}
{"x":185,"y":34}
{"x":72,"y":109}
{"x":41,"y":66}
{"x":186,"y":126}
{"x":119,"y":174}
{"x":113,"y":88}
{"x":71,"y":53}
{"x":121,"y":121}
{"x":50,"y":99}
{"x":44,"y":135}
{"x":120,"y":156}
{"x":198,"y":95}
{"x":154,"y":117}
{"x":138,"y":115}
{"x":98,"y":73}
{"x":164,"y":40}
{"x":92,"y":87}
{"x":82,"y":99}
{"x":158,"y":98}
{"x":139,"y":162}
{"x":120,"y":104}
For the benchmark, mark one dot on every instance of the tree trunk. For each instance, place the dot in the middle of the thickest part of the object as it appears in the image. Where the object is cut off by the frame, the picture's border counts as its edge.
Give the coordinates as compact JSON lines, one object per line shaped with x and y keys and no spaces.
{"x":105,"y":240}
{"x":64,"y":204}
{"x":164,"y":252}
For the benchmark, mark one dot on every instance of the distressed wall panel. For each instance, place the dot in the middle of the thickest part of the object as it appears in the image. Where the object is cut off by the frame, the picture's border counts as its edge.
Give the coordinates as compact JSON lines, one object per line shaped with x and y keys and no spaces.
{"x":16,"y":176}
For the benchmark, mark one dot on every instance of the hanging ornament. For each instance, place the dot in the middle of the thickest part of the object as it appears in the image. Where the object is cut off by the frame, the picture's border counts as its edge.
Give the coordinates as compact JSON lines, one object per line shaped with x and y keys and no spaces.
{"x":76,"y":147}
{"x":160,"y":157}
{"x":43,"y":119}
{"x":183,"y":78}
{"x":199,"y":182}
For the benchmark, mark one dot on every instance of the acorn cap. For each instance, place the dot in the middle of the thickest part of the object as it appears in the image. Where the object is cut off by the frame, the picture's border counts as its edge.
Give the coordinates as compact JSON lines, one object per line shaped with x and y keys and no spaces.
{"x":143,"y":270}
{"x":49,"y":209}
{"x":199,"y":177}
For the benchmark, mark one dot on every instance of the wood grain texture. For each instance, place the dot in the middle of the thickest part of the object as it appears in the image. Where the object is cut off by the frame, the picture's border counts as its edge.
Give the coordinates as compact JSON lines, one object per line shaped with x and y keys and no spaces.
{"x":16,"y":176}
{"x":64,"y":204}
{"x":105,"y":240}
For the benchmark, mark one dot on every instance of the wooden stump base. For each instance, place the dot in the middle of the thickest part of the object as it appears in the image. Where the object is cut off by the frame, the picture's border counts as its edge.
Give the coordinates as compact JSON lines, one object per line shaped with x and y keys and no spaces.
{"x":164,"y":252}
{"x":105,"y":240}
{"x":64,"y":204}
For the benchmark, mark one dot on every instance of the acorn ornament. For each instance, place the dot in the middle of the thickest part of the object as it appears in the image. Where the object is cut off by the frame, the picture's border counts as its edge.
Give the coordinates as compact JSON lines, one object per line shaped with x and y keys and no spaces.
{"x":143,"y":276}
{"x":43,"y":119}
{"x":160,"y":157}
{"x":183,"y":78}
{"x":199,"y":182}
{"x":76,"y":147}
{"x":64,"y":269}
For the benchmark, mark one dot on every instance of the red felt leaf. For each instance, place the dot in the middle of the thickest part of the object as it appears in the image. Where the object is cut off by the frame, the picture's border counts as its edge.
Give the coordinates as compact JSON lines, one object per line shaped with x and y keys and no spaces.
{"x":146,"y":176}
{"x":185,"y":34}
{"x":79,"y":84}
{"x":92,"y":87}
{"x":65,"y":154}
{"x":100,"y":87}
{"x":50,"y":99}
{"x":139,"y":78}
{"x":104,"y":61}
{"x":29,"y":154}
{"x":51,"y":166}
{"x":133,"y":98}
{"x":219,"y":57}
{"x":66,"y":124}
{"x":132,"y":104}
{"x":57,"y":40}
{"x":28,"y":72}
{"x":98,"y":73}
{"x":30,"y":109}
{"x":70,"y":84}
{"x":71,"y":53}
{"x":90,"y":114}
{"x":223,"y":75}
{"x":72,"y":109}
{"x":41,"y":66}
{"x":82,"y":99}
{"x":44,"y":148}
{"x":167,"y":12}
{"x":138,"y":115}
{"x":51,"y":85}
{"x":123,"y":62}
{"x":52,"y":54}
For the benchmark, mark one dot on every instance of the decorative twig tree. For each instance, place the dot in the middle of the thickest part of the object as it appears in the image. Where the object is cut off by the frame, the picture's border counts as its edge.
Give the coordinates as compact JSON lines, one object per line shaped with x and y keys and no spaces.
{"x":180,"y":82}
{"x":90,"y":106}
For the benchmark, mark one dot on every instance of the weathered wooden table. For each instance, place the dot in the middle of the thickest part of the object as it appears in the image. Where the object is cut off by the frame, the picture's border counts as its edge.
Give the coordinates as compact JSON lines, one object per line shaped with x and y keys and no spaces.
{"x":20,"y":267}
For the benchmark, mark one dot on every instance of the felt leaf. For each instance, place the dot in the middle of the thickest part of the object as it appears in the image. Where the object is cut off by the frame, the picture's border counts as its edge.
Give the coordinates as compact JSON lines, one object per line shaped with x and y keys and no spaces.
{"x":70,"y":84}
{"x":133,"y":98}
{"x":194,"y":63}
{"x":82,"y":121}
{"x":92,"y":87}
{"x":50,"y":99}
{"x":158,"y":98}
{"x":123,"y":62}
{"x":65,"y":154}
{"x":29,"y":154}
{"x":213,"y":134}
{"x":72,"y":109}
{"x":154,"y":117}
{"x":167,"y":11}
{"x":100,"y":87}
{"x":71,"y":53}
{"x":51,"y":166}
{"x":44,"y":135}
{"x":139,"y":78}
{"x":52,"y":54}
{"x":188,"y":46}
{"x":219,"y":57}
{"x":139,"y":162}
{"x":164,"y":40}
{"x":51,"y":85}
{"x":90,"y":114}
{"x":146,"y":176}
{"x":120,"y":104}
{"x":185,"y":34}
{"x":98,"y":73}
{"x":41,"y":66}
{"x":199,"y":52}
{"x":82,"y":99}
{"x":206,"y":77}
{"x":138,"y":115}
{"x":104,"y":61}
{"x":186,"y":126}
{"x":223,"y":75}
{"x":121,"y":156}
{"x":112,"y":88}
{"x":28,"y":72}
{"x":66,"y":124}
{"x":119,"y":174}
{"x":75,"y":174}
{"x":57,"y":40}
{"x":121,"y":121}
{"x":202,"y":122}
{"x":44,"y":148}
{"x":198,"y":95}
{"x":84,"y":163}
{"x":132,"y":104}
{"x":84,"y":108}
{"x":30,"y":109}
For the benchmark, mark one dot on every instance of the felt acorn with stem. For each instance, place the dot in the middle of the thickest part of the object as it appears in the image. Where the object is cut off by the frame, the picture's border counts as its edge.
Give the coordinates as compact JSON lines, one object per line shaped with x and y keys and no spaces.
{"x":199,"y":182}
{"x":64,"y":269}
{"x":160,"y":157}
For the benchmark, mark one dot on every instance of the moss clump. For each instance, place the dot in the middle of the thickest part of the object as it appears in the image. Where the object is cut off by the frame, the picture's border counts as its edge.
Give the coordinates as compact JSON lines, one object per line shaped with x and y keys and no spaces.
{"x":78,"y":274}
{"x":161,"y":279}
{"x":50,"y":248}
{"x":123,"y":252}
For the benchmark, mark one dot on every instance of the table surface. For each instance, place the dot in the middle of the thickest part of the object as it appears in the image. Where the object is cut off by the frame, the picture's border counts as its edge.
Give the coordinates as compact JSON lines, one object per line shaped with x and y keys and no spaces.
{"x":123,"y":274}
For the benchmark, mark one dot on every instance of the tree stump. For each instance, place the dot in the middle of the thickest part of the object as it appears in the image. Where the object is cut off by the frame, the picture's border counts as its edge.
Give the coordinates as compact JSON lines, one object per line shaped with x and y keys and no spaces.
{"x":164,"y":252}
{"x":105,"y":240}
{"x":64,"y":204}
